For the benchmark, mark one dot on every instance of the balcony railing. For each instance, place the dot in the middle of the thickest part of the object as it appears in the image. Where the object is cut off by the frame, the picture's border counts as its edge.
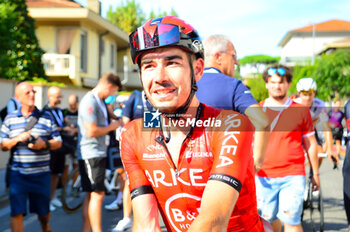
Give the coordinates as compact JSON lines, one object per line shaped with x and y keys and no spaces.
{"x":59,"y":65}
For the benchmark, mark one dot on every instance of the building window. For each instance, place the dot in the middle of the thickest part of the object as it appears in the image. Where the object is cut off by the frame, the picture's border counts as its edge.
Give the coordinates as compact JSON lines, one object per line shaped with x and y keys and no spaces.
{"x":83,"y":52}
{"x":112,"y":55}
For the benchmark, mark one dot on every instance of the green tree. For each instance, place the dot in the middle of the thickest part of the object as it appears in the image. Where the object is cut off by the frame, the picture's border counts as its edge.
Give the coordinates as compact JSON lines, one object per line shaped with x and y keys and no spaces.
{"x":257,"y":88}
{"x":20,"y":54}
{"x":332,"y":75}
{"x":128,"y":15}
{"x":257,"y":60}
{"x":162,"y":14}
{"x":301,"y":72}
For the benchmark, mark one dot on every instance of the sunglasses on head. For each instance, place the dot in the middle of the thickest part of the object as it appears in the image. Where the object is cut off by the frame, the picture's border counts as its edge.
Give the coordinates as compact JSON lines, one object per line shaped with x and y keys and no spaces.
{"x":280,"y":71}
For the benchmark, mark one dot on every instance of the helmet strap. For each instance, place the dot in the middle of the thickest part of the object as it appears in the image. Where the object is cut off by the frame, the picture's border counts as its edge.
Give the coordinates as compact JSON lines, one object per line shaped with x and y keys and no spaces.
{"x":183,"y":109}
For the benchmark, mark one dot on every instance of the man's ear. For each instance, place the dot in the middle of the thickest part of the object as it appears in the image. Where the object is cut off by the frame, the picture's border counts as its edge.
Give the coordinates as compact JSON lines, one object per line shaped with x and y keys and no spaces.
{"x":217,"y":58}
{"x":198,"y":68}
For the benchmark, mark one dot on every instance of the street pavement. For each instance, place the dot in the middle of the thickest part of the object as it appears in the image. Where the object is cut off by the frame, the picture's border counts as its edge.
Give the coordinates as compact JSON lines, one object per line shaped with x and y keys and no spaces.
{"x":331,"y":181}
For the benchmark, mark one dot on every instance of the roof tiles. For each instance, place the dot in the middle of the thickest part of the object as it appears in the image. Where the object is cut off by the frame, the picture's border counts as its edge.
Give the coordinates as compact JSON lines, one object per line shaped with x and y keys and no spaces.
{"x":52,"y":3}
{"x":331,"y":25}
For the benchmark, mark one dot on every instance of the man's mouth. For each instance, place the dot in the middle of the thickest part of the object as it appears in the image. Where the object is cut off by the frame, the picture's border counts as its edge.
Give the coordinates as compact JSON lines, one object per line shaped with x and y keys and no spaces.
{"x":163,"y":92}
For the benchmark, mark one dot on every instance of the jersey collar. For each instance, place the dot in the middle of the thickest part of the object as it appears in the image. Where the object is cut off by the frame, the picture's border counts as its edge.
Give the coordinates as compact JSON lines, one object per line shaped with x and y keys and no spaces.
{"x":211,"y":70}
{"x":36,"y":112}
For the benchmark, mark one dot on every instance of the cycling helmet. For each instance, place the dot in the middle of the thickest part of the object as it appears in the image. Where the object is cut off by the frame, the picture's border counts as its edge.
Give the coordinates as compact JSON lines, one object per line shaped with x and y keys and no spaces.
{"x":168,"y":31}
{"x":165,"y":31}
{"x":306,"y":84}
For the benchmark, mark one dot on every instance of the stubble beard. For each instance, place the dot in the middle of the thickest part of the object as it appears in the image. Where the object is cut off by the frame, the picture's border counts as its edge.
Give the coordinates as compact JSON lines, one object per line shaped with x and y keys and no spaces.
{"x":279,"y":97}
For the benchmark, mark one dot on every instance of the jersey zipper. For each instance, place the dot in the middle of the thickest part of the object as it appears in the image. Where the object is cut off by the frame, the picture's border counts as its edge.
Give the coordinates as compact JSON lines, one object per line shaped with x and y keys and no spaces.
{"x":160,"y":140}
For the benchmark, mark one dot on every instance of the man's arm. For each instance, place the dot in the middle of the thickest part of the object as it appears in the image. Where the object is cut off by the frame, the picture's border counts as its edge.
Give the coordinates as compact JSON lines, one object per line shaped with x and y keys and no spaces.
{"x":310,"y":145}
{"x":214,"y":216}
{"x":51,"y":144}
{"x":8,"y":144}
{"x":262,"y":133}
{"x":92,"y":130}
{"x":23,"y":137}
{"x":145,"y":210}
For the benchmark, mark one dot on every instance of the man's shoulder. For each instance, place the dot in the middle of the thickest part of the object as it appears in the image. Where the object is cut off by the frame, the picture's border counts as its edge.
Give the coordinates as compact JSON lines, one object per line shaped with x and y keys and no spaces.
{"x":133,"y":128}
{"x":227,"y":118}
{"x":318,"y":103}
{"x":88,"y":99}
{"x":135,"y":124}
{"x":46,"y":108}
{"x":217,"y":76}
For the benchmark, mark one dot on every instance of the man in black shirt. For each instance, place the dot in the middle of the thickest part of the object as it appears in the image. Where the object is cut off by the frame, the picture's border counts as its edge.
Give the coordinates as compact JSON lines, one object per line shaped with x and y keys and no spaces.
{"x":57,"y":160}
{"x":70,"y":134}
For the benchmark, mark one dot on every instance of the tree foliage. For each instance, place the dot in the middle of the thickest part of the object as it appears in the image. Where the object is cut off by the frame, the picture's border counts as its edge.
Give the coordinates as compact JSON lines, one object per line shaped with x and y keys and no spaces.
{"x":20,"y":54}
{"x":258,"y":62}
{"x":129,"y":15}
{"x":332,"y":75}
{"x":301,"y":72}
{"x":257,"y":88}
{"x":259,"y":59}
{"x":162,"y":14}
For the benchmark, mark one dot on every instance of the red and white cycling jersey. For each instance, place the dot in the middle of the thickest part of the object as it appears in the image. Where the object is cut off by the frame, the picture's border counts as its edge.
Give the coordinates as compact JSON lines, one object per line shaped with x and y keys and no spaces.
{"x":217,"y":153}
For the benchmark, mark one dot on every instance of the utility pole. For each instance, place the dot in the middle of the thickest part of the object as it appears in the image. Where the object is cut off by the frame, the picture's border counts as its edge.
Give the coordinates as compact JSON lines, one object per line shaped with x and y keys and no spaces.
{"x":313,"y":43}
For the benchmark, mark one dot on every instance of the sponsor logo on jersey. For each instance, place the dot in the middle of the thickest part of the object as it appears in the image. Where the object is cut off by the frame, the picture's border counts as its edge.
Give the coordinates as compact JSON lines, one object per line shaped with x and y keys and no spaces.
{"x":186,"y":176}
{"x":152,"y":147}
{"x":198,"y":154}
{"x":181,"y":219}
{"x":159,"y":156}
{"x":230,"y":143}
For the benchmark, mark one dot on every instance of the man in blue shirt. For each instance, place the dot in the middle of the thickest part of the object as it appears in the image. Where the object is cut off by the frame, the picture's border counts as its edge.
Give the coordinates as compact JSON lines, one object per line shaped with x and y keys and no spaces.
{"x":30,"y":158}
{"x":219,"y":89}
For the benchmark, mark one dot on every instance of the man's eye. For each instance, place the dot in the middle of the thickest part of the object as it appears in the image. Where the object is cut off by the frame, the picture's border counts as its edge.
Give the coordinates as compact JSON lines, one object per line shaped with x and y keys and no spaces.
{"x":147,"y":66}
{"x":173,"y":62}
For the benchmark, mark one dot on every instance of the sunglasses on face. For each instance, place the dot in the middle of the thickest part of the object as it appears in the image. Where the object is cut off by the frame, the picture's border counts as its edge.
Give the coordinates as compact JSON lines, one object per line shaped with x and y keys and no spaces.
{"x":279,"y":71}
{"x":309,"y":92}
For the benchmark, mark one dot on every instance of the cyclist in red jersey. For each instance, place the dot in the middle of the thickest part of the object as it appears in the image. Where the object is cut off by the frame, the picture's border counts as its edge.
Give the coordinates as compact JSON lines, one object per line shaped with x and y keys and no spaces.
{"x":197,"y":167}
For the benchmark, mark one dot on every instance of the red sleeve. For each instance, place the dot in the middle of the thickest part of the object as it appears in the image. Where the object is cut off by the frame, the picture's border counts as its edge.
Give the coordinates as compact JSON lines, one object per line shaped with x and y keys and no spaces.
{"x":308,"y":126}
{"x":128,"y":151}
{"x":232,"y":149}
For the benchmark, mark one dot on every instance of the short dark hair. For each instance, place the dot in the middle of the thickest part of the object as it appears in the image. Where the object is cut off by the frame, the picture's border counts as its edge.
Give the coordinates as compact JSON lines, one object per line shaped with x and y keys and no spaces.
{"x":288,"y":74}
{"x":112,"y":79}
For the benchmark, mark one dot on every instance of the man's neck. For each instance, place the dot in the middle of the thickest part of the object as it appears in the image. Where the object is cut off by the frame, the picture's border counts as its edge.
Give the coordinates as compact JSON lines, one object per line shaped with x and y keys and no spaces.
{"x":98,"y":92}
{"x":180,"y":124}
{"x":27,"y":110}
{"x":73,"y":111}
{"x":213,"y":66}
{"x":52,"y":106}
{"x":277,"y":101}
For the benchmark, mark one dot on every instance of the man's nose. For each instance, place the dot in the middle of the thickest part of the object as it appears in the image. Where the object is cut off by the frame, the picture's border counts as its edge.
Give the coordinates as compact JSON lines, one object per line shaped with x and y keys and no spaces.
{"x":161,"y":74}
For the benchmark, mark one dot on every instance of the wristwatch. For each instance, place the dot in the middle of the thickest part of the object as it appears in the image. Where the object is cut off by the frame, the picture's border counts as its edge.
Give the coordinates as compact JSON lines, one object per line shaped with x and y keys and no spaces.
{"x":47,"y":145}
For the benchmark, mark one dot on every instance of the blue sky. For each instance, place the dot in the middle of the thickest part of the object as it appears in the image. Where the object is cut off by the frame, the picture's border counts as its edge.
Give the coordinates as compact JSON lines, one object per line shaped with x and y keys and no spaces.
{"x":254,"y":26}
